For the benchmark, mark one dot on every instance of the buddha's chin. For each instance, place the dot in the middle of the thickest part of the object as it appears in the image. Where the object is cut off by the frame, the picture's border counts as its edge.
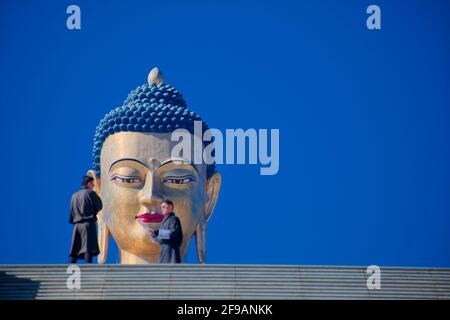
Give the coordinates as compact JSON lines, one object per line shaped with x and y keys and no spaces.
{"x":142,"y":246}
{"x":139,"y":256}
{"x":136,"y":241}
{"x":144,"y":250}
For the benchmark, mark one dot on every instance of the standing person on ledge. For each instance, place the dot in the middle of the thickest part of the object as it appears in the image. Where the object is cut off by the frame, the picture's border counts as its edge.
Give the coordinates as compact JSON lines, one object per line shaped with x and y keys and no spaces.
{"x":169,"y":235}
{"x":84,"y":206}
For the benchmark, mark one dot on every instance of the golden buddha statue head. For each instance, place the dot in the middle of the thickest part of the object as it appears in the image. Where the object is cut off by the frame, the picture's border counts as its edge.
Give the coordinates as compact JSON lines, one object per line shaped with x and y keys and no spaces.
{"x":134,"y":170}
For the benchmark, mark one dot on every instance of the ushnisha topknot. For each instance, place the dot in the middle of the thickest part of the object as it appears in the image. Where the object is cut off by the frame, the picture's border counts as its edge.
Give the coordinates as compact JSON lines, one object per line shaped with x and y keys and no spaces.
{"x":153,"y":107}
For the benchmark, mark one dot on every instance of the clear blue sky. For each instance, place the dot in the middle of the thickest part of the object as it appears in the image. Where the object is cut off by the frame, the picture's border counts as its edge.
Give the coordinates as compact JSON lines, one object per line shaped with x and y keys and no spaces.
{"x":363,"y":116}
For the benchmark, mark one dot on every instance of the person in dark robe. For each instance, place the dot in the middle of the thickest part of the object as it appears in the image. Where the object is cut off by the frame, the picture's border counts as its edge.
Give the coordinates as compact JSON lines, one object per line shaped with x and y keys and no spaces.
{"x":84,"y":206}
{"x":169,"y":235}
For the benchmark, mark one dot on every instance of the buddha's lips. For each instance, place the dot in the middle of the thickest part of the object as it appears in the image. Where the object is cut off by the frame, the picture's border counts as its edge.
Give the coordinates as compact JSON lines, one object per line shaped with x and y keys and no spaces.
{"x":150,"y":217}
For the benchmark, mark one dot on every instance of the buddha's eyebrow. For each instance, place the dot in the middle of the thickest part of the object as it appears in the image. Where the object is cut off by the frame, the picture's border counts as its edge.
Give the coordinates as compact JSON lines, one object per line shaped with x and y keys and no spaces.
{"x":173,"y":161}
{"x":125,"y":159}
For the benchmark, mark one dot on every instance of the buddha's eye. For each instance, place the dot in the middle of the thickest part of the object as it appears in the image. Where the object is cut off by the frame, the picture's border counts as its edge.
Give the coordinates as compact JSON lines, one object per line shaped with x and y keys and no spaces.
{"x":126,"y":179}
{"x":179,"y":180}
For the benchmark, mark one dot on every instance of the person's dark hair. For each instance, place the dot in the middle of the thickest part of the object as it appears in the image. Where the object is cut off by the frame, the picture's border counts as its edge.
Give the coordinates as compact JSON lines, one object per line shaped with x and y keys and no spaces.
{"x":167,"y":201}
{"x":85,"y":180}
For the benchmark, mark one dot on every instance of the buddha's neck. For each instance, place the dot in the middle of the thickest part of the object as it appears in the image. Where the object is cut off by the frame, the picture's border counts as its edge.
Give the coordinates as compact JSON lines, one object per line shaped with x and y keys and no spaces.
{"x":129,"y":258}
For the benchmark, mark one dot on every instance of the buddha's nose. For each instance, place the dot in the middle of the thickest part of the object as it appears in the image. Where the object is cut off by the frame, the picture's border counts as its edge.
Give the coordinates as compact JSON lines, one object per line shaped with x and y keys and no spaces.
{"x":150,"y":196}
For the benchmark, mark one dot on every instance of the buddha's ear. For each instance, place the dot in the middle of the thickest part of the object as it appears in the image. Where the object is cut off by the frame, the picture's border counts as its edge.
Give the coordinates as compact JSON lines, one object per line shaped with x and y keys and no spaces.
{"x":212,"y":194}
{"x":103,"y":230}
{"x":97,"y":184}
{"x":103,"y":238}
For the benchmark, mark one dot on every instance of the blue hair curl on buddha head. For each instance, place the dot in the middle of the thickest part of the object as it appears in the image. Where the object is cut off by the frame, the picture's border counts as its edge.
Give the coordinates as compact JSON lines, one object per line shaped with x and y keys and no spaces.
{"x":154,"y":107}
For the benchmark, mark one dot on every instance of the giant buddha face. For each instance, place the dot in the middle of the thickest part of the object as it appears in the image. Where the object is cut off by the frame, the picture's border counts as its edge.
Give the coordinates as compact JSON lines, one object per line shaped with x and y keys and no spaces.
{"x":137,"y":172}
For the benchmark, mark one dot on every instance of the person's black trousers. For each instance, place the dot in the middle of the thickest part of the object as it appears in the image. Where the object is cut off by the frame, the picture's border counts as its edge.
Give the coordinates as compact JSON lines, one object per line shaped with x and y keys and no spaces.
{"x":87,"y":258}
